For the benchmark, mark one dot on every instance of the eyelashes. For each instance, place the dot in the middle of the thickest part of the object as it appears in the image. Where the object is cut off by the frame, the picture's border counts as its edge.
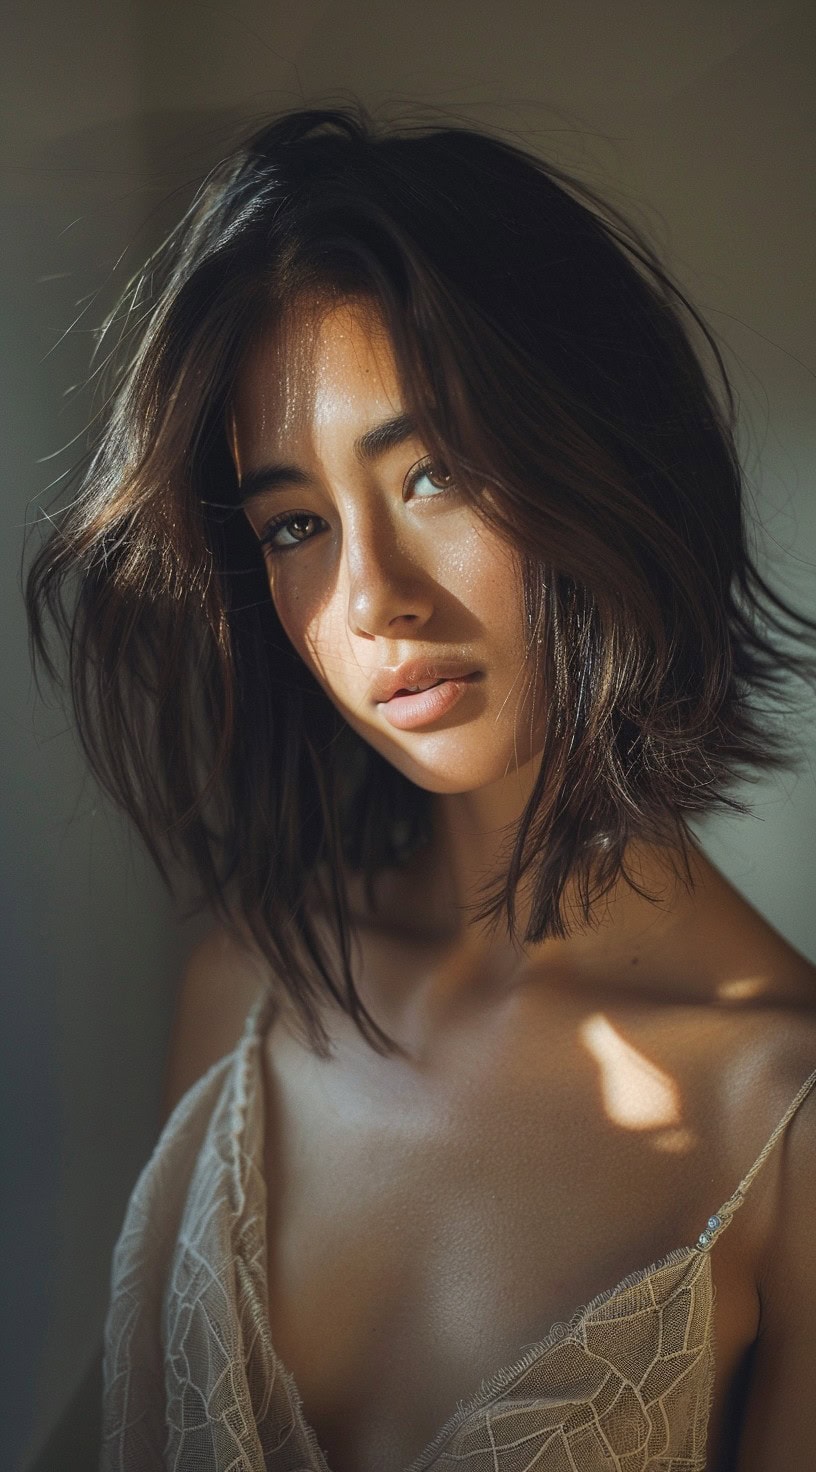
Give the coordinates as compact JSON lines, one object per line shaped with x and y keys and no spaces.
{"x":271,"y":529}
{"x":269,"y":534}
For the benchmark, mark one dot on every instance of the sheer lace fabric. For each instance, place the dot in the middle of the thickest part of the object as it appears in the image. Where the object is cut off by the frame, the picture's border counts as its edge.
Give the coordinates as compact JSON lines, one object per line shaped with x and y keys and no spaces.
{"x":192,"y":1381}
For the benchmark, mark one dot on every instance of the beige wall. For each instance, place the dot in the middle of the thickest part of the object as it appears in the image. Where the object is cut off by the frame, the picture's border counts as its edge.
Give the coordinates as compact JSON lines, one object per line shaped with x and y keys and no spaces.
{"x":695,"y":117}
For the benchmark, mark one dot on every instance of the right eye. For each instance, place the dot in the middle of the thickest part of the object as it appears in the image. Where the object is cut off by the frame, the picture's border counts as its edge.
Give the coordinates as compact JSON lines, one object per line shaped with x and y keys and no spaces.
{"x":298,"y":525}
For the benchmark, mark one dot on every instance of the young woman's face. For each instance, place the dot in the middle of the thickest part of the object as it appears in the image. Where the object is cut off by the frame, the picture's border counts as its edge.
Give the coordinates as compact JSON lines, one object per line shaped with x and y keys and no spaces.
{"x":382,"y":575}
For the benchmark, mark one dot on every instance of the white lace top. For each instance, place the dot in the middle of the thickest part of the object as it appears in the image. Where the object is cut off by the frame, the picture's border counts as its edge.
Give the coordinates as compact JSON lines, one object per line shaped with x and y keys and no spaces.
{"x":192,"y":1381}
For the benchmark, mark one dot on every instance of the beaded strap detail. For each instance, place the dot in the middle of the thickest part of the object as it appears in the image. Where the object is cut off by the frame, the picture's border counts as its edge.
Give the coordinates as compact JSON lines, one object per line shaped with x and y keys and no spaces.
{"x":722,"y":1217}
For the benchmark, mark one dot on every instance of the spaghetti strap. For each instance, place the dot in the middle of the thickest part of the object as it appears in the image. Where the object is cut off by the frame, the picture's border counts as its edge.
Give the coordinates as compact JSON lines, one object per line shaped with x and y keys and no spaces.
{"x":721,"y":1218}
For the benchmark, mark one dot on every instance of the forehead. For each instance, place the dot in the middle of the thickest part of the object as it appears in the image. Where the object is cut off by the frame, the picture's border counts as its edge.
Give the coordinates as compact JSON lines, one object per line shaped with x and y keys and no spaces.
{"x":323,"y":360}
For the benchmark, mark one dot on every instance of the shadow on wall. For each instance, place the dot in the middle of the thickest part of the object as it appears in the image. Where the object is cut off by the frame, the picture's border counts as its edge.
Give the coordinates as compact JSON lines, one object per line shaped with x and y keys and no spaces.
{"x":75,"y":1443}
{"x":91,"y":944}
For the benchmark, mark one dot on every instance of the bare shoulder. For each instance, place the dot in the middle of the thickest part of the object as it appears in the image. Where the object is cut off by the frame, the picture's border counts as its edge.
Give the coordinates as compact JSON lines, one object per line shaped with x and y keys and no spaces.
{"x":770,"y":1020}
{"x":219,"y":984}
{"x":783,"y":1028}
{"x":779,"y":1424}
{"x":785,"y":1071}
{"x":759,"y":1000}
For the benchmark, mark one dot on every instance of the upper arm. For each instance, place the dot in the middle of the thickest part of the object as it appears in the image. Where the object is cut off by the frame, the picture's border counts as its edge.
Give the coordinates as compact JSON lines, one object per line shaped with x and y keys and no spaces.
{"x":779,"y":1423}
{"x":218,"y":986}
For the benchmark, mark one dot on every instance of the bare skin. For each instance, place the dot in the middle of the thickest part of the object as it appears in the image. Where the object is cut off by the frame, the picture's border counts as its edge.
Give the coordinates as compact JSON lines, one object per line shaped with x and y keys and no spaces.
{"x":570,"y":1111}
{"x":427,"y":1221}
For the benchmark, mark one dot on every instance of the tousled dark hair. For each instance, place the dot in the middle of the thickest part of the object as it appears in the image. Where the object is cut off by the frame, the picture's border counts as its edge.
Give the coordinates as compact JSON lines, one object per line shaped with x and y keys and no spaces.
{"x":546,"y":355}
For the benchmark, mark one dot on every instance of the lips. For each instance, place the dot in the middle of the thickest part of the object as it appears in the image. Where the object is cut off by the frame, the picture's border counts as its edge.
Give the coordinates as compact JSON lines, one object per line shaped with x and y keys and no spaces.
{"x":410,"y":711}
{"x":416,"y":689}
{"x":422,"y":673}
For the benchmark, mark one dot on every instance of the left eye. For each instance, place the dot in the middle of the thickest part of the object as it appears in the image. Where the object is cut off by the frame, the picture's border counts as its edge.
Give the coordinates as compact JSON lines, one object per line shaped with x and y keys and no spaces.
{"x":423,"y":472}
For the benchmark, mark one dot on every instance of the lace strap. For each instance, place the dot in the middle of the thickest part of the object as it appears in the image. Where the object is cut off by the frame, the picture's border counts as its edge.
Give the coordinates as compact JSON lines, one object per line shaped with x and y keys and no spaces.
{"x":721,"y":1218}
{"x":259,"y":1016}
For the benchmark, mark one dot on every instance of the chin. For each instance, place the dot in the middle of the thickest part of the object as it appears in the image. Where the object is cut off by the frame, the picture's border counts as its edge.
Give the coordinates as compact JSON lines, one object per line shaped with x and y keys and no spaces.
{"x":452,"y":761}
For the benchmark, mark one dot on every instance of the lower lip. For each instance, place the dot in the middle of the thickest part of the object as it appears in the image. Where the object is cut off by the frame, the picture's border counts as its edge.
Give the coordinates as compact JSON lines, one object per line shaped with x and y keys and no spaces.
{"x":407,"y":712}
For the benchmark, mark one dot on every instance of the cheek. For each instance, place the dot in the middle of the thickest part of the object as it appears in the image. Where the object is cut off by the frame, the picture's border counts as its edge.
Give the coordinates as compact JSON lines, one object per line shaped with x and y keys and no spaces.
{"x":313,"y":620}
{"x":483,"y":576}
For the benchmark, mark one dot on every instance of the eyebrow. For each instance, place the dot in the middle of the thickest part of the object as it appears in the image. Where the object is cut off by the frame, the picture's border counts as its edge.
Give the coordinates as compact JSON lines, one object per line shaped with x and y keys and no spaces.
{"x":367,"y":448}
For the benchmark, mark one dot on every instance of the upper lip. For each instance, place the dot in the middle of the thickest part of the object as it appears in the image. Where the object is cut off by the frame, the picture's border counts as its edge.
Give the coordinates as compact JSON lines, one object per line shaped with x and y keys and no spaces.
{"x":388,"y":681}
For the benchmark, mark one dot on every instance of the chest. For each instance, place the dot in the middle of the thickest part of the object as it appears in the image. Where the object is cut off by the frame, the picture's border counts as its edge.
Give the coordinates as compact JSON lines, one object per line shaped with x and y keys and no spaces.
{"x":419,"y":1241}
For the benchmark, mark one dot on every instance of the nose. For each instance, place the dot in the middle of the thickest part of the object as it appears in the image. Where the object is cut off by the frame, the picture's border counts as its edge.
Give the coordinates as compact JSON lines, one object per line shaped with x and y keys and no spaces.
{"x":388,"y":591}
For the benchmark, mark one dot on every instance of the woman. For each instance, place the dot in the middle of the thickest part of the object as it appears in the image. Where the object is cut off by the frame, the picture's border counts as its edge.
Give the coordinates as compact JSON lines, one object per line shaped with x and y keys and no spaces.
{"x":414,"y":609}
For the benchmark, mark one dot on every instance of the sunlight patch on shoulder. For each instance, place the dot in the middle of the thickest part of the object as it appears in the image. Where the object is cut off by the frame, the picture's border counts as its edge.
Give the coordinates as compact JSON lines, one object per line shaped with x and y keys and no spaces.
{"x":740,"y":989}
{"x":636,"y":1093}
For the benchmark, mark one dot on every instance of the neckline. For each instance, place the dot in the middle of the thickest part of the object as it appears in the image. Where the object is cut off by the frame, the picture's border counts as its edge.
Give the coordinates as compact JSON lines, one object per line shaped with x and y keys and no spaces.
{"x":696,"y":1255}
{"x":491,"y":1385}
{"x":504,"y":1378}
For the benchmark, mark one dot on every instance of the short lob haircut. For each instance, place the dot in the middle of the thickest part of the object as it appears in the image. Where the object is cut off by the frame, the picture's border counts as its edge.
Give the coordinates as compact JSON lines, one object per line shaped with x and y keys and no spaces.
{"x":548,"y":359}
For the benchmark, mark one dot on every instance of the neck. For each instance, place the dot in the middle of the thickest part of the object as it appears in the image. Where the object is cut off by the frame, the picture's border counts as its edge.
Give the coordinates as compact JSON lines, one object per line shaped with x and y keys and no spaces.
{"x":467,"y":859}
